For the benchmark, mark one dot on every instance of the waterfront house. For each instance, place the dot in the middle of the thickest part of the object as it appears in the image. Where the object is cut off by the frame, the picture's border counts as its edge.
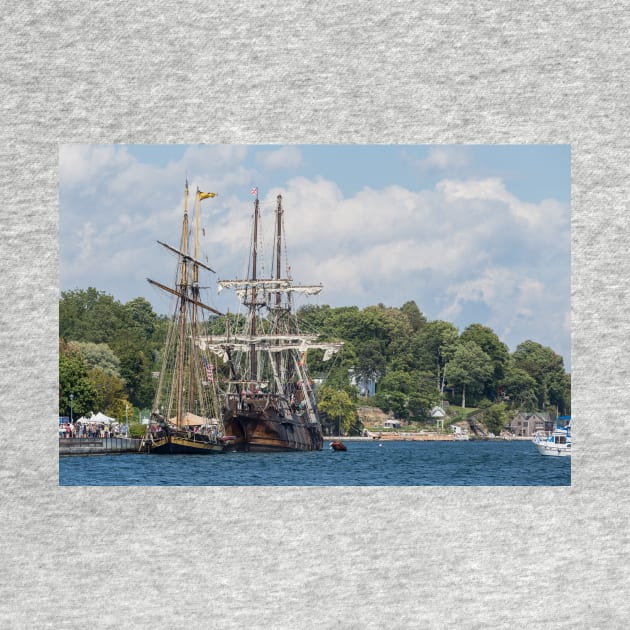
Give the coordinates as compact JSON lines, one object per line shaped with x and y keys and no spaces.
{"x":365,"y":385}
{"x":525,"y":424}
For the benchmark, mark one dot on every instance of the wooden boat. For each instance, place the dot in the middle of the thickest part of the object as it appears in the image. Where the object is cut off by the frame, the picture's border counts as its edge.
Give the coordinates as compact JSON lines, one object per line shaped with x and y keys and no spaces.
{"x":269,"y":404}
{"x":338,"y":445}
{"x":186,"y":410}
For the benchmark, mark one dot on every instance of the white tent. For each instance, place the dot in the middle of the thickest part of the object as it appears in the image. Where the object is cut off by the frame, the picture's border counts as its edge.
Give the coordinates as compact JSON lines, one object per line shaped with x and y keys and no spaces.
{"x":99,"y":418}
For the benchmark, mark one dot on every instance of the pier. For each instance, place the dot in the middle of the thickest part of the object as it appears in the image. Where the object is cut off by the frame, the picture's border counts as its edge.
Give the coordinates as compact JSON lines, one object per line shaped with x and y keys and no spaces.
{"x":98,"y":446}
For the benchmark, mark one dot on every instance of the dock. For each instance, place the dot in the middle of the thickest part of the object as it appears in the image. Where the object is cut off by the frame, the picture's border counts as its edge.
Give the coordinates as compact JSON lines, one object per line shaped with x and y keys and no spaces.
{"x":98,"y":446}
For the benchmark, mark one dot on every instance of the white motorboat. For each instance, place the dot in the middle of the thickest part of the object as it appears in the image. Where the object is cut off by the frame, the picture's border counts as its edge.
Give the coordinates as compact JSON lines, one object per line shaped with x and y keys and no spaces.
{"x":558,"y":444}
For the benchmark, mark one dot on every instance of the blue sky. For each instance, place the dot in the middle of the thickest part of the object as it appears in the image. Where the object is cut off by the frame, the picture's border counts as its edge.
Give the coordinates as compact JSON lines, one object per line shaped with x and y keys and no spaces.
{"x":472,"y":233}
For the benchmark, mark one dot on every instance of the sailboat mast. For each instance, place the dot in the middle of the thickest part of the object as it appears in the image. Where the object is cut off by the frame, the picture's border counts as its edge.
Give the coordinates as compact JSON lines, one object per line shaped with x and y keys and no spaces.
{"x":195,"y":287}
{"x":252,"y":354}
{"x":194,"y":290}
{"x":183,"y":286}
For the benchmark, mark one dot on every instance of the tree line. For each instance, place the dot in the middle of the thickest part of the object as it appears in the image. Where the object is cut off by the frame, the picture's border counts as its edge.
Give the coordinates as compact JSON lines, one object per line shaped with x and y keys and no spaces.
{"x":108,"y":352}
{"x":417,"y":363}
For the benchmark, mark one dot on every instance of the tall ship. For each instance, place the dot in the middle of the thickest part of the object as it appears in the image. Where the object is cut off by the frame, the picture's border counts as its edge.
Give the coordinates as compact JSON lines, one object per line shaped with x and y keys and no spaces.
{"x":269,"y":403}
{"x":186,"y":411}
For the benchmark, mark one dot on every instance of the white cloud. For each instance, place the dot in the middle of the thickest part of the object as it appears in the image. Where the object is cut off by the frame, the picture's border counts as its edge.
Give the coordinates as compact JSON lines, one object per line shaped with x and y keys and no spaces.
{"x":460,"y":249}
{"x":447,"y":158}
{"x":544,"y":220}
{"x":79,"y":163}
{"x":284,"y":157}
{"x":485,"y":189}
{"x":518,"y":305}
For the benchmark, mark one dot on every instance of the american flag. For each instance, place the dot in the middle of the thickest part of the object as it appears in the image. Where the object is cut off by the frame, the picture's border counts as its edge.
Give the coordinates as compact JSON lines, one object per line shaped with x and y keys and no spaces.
{"x":254,"y":191}
{"x":209,"y":371}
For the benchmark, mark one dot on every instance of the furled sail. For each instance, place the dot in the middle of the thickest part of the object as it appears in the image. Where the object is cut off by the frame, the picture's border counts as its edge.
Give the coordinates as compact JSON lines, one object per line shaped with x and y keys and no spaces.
{"x":282,"y":285}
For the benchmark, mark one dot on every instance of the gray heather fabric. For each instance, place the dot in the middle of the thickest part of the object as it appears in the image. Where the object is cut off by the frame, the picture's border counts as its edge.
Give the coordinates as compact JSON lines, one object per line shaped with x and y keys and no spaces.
{"x":396,"y":72}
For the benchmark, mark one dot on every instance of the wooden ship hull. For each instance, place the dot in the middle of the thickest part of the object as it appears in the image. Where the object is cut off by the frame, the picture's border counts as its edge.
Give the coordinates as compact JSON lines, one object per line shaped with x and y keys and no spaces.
{"x":183,"y":443}
{"x":257,"y":427}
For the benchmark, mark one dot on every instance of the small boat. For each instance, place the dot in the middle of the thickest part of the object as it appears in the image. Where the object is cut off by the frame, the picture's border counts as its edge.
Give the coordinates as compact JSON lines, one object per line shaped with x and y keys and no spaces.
{"x":186,"y":410}
{"x":338,"y":445}
{"x":558,"y":444}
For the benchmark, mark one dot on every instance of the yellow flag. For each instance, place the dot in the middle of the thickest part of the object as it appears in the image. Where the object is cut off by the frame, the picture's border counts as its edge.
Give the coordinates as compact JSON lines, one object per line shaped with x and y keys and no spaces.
{"x":203,"y":195}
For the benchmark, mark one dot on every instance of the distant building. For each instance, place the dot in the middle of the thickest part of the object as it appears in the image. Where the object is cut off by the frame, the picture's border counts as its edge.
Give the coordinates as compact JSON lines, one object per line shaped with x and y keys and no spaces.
{"x":366,"y":386}
{"x":391,"y":423}
{"x":458,"y":429}
{"x":525,"y":424}
{"x":438,"y":414}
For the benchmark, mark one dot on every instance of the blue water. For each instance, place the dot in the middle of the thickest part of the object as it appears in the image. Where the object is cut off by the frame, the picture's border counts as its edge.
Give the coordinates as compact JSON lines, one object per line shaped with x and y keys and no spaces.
{"x":499,"y":463}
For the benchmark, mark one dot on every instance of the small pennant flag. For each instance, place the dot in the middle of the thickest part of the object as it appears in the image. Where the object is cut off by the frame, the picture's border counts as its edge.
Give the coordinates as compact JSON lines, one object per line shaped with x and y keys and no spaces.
{"x":254,"y":191}
{"x":203,"y":195}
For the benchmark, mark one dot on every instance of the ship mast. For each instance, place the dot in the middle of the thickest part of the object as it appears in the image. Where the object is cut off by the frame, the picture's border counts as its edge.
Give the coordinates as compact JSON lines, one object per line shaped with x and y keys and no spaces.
{"x":280,"y":339}
{"x":278,"y":357}
{"x":183,"y":287}
{"x":187,"y":292}
{"x":252,"y":306}
{"x":194,"y":292}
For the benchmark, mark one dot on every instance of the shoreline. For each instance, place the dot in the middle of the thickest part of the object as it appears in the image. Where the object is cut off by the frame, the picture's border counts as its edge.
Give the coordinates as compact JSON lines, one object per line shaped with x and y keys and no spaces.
{"x":421,"y":437}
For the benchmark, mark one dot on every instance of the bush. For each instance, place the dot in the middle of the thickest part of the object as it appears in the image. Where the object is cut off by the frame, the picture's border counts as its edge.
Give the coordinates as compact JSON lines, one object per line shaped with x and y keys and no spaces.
{"x":495,"y":418}
{"x":137,"y":430}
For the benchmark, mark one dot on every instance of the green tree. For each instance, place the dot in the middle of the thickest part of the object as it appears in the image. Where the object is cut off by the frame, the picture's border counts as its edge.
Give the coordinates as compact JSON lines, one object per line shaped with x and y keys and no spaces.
{"x":141,"y":317}
{"x":110,"y":392}
{"x":547,"y":369}
{"x":408,"y":395}
{"x":435,"y":344}
{"x":74,"y":379}
{"x":424,"y":398}
{"x":98,"y":355}
{"x":519,"y":387}
{"x":370,"y":359}
{"x":495,"y":417}
{"x":470,"y":368}
{"x":393,"y":401}
{"x":558,"y":388}
{"x":415,"y":317}
{"x":339,"y":407}
{"x":393,"y":329}
{"x":135,"y":370}
{"x":498,"y":352}
{"x":337,"y":373}
{"x":89,"y":315}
